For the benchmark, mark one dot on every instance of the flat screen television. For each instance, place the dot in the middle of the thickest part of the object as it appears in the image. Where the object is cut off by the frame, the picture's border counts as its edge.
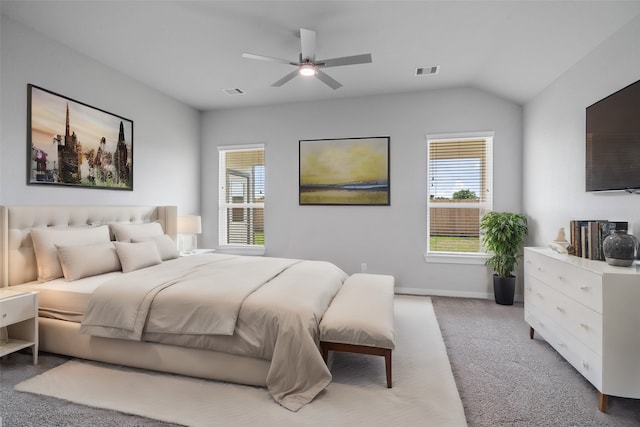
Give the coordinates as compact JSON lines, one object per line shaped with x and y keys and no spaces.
{"x":613,"y":141}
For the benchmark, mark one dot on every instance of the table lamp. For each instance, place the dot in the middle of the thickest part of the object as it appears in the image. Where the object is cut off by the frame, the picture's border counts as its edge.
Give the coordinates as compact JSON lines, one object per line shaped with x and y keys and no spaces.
{"x":188,"y":227}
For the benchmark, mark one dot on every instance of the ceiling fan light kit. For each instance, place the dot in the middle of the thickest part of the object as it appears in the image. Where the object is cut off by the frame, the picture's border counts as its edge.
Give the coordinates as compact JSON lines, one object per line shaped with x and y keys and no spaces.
{"x":308,"y":66}
{"x":307,"y":70}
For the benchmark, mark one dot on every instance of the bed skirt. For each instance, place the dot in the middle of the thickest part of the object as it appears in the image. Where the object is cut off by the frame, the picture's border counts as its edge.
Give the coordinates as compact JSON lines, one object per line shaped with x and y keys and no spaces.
{"x":62,"y":337}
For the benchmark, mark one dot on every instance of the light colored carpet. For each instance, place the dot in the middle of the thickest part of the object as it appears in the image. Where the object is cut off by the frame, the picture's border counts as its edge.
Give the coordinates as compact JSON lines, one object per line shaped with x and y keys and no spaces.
{"x":423,"y":393}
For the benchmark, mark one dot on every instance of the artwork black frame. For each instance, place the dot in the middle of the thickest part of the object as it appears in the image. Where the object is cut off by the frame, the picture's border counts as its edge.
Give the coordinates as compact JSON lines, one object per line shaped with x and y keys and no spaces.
{"x":73,"y":144}
{"x":345,"y":171}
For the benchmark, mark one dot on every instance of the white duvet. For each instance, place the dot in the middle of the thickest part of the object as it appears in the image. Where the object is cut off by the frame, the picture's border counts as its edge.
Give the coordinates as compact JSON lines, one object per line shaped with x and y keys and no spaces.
{"x":260,"y":307}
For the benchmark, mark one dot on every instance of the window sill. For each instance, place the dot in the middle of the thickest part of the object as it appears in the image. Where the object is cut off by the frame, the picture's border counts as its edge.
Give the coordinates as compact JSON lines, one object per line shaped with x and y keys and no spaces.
{"x":241,"y":250}
{"x":450,"y":258}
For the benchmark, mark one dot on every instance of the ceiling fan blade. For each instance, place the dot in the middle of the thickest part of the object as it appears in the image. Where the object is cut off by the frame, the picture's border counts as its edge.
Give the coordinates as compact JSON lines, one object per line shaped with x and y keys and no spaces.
{"x":268,"y":59}
{"x":285,"y":79}
{"x":329,"y":81}
{"x":308,"y":44}
{"x":346,"y":60}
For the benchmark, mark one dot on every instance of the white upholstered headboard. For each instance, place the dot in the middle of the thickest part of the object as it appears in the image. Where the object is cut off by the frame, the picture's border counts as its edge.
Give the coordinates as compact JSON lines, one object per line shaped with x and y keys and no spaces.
{"x":18,"y":262}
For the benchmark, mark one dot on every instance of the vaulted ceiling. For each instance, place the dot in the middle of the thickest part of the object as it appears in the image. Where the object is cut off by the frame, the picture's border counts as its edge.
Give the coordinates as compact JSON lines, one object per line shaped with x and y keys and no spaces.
{"x":191,"y":50}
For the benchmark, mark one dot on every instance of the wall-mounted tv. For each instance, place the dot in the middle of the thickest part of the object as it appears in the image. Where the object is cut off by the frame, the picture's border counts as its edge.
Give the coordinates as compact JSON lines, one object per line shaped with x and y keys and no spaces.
{"x":613,"y":141}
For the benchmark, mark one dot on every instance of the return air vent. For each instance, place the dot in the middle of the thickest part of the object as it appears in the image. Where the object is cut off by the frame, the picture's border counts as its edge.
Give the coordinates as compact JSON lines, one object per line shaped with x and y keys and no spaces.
{"x":233,"y":92}
{"x":423,"y":71}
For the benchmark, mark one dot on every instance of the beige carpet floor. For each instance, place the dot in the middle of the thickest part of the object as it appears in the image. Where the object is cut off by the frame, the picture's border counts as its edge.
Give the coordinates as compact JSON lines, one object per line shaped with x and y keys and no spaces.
{"x":423,"y":393}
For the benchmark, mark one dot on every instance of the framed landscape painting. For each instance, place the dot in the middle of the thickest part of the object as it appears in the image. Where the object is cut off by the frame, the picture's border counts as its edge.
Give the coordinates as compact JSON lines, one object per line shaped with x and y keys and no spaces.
{"x":74,"y":144}
{"x":348,"y":171}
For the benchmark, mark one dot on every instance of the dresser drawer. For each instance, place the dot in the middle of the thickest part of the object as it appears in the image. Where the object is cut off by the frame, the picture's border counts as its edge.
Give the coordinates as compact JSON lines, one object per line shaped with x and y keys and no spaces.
{"x":17,"y":309}
{"x":588,"y":363}
{"x":577,"y":283}
{"x":576,"y":319}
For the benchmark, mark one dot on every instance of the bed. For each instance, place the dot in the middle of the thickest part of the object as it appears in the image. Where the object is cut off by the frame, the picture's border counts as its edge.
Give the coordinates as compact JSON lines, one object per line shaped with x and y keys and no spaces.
{"x":112,"y":289}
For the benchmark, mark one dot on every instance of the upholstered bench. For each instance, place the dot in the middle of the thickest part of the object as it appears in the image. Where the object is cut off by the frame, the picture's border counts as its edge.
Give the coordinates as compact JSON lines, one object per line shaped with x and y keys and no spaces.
{"x":360,"y":319}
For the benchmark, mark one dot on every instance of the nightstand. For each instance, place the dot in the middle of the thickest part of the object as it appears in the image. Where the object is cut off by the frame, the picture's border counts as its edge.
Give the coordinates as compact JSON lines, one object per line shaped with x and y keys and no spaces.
{"x":19,"y":315}
{"x":197,"y":251}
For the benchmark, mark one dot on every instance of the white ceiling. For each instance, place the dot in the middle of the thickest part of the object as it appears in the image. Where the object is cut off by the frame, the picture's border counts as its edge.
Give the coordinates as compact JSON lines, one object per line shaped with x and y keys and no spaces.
{"x":191,"y":50}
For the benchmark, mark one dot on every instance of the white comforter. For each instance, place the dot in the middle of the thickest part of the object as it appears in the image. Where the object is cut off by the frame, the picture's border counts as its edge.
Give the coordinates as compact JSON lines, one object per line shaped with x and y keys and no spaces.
{"x":260,"y":307}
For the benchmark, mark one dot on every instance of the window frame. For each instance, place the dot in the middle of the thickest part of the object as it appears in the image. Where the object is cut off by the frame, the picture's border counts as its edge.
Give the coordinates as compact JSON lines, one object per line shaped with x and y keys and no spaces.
{"x":459,"y":257}
{"x":224,"y":207}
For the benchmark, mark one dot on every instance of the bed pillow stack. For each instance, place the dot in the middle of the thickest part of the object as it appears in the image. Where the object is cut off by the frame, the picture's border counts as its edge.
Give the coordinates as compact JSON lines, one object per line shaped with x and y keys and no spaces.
{"x":86,"y":251}
{"x":74,"y":253}
{"x":141,"y":233}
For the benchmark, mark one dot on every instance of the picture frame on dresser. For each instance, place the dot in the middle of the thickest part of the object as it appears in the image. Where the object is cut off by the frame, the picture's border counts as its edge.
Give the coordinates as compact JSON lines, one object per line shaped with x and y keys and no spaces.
{"x":73,"y":144}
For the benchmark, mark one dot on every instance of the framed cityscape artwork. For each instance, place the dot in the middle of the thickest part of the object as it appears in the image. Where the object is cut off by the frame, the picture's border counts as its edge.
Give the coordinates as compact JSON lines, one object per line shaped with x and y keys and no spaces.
{"x":348,"y":171}
{"x":74,"y":144}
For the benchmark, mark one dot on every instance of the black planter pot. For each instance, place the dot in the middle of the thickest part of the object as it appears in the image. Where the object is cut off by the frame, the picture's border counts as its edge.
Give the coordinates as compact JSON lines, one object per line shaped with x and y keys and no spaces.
{"x":504,"y":289}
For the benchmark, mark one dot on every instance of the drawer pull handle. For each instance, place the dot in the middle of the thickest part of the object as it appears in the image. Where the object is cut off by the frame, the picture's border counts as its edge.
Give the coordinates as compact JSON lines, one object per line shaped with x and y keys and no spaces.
{"x":539,"y":294}
{"x":540,"y":268}
{"x":585,"y":326}
{"x":4,"y":315}
{"x":585,"y":288}
{"x":560,"y":309}
{"x":585,"y":365}
{"x":560,"y":278}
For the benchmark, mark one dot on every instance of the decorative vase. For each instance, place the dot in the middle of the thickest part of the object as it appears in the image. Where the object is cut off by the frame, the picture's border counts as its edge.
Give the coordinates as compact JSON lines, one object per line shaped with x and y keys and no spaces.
{"x":620,"y":248}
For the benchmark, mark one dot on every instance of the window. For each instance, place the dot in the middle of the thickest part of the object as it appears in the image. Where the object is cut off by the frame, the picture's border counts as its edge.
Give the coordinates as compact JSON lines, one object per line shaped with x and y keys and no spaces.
{"x":241,"y":196}
{"x":459,"y":192}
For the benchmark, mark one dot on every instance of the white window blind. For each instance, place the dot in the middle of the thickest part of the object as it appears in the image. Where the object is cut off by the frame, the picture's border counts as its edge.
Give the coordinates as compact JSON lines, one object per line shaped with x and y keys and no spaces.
{"x":459,"y":192}
{"x":241,"y":195}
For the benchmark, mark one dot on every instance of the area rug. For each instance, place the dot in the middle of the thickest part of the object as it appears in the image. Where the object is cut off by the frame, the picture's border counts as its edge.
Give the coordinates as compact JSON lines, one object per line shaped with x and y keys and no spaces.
{"x":424,"y":391}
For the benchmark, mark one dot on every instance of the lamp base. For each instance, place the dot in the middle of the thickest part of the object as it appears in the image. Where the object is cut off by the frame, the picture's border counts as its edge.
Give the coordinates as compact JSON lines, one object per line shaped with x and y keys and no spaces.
{"x":188,"y":243}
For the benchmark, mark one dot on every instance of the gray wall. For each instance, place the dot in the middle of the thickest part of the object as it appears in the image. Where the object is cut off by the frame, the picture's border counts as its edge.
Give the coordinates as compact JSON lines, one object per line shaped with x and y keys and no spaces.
{"x":391,"y":240}
{"x":166,"y":132}
{"x":554,"y":141}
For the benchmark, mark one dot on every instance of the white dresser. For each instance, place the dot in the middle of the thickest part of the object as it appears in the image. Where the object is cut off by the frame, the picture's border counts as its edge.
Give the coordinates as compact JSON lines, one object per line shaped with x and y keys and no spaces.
{"x":589,"y":312}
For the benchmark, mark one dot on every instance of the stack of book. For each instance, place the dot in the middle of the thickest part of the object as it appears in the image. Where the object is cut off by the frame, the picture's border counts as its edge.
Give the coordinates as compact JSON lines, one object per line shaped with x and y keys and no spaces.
{"x":587,"y":236}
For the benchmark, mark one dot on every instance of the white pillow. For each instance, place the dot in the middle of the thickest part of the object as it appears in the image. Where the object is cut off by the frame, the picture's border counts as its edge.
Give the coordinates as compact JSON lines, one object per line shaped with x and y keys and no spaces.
{"x":46,"y":239}
{"x":126,"y":232}
{"x":80,"y":261}
{"x":166,"y":246}
{"x":134,"y":256}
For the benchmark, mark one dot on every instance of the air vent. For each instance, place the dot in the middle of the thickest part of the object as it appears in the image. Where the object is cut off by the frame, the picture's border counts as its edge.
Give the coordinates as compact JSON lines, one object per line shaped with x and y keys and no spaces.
{"x":233,"y":92}
{"x":423,"y":71}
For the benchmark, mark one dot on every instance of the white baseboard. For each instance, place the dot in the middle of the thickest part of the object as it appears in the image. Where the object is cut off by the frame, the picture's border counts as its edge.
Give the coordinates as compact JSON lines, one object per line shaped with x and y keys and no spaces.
{"x":445,"y":293}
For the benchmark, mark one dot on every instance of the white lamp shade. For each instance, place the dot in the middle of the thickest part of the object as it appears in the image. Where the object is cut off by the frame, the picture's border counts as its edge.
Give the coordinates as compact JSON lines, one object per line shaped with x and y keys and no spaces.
{"x":189,"y":224}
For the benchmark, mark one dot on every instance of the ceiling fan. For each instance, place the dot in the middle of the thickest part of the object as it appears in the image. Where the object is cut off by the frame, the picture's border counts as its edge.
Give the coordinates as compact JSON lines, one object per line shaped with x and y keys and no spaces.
{"x":308,"y":66}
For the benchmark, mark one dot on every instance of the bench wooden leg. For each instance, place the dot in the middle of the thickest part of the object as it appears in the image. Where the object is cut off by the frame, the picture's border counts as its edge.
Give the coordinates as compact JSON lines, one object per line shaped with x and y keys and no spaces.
{"x":387,"y":362}
{"x":325,"y":346}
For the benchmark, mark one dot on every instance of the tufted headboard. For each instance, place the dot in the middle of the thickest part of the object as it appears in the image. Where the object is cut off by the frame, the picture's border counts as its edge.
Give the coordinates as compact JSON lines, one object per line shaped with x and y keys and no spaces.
{"x":17,"y":258}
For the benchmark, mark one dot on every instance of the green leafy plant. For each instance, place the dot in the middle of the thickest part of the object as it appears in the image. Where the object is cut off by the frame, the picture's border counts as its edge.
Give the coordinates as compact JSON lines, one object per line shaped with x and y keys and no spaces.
{"x":464,"y":194}
{"x":503,"y":236}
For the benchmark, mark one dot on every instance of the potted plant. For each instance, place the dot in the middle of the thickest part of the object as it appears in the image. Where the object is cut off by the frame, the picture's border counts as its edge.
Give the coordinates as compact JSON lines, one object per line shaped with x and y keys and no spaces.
{"x":503,"y":235}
